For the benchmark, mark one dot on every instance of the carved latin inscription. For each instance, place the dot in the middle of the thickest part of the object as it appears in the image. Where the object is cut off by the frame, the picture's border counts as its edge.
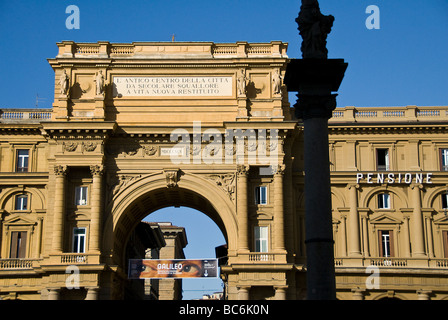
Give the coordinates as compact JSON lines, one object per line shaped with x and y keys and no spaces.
{"x":172,"y":86}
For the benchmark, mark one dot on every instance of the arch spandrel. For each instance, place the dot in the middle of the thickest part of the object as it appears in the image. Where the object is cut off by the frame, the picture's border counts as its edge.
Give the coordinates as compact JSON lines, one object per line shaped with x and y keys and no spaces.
{"x":150,"y":193}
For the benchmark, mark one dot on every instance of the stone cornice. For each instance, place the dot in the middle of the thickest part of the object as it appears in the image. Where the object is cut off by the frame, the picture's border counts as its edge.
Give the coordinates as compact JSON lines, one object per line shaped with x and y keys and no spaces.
{"x":74,"y":130}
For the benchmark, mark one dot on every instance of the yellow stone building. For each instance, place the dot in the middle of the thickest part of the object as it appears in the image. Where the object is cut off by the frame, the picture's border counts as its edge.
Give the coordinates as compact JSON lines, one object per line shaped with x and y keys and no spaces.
{"x":141,"y":126}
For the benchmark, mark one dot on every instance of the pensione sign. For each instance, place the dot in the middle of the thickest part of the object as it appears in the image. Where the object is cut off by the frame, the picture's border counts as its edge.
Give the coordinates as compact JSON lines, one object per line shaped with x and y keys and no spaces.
{"x":394,"y":178}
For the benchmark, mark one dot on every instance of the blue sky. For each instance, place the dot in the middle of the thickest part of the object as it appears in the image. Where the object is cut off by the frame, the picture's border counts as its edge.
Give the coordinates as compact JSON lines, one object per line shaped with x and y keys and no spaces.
{"x":405,"y":62}
{"x":402,"y":63}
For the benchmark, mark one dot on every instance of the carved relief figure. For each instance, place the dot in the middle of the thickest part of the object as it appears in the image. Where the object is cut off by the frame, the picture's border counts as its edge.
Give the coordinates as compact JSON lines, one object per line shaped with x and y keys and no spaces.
{"x":314,"y":28}
{"x":242,"y":81}
{"x":277,"y":80}
{"x":63,"y":82}
{"x":172,"y":177}
{"x":99,"y":83}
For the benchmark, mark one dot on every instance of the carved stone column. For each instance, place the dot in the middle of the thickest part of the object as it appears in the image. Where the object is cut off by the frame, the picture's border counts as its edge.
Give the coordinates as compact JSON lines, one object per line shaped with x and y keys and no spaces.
{"x":424,"y":294}
{"x":279,"y":212}
{"x":365,"y":233}
{"x":54,"y":293}
{"x":59,"y":208}
{"x":407,"y":242}
{"x":354,"y":243}
{"x":358,"y":294}
{"x":343,"y":236}
{"x":242,"y":208}
{"x":92,"y":293}
{"x":315,"y":78}
{"x":280,"y":292}
{"x":418,"y":245}
{"x":243,"y":293}
{"x":96,"y":208}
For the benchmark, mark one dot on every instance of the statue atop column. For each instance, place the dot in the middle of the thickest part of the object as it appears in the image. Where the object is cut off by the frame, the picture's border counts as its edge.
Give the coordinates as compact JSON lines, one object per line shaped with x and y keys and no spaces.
{"x":314,"y":28}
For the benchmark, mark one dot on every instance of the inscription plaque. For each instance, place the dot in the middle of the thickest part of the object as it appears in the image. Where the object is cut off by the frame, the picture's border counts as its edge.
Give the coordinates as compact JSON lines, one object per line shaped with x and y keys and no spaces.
{"x":146,"y":86}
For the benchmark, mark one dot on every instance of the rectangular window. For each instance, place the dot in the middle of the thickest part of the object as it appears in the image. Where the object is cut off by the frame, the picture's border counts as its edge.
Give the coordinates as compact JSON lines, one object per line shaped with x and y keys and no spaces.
{"x":18,"y":245}
{"x":444,"y":159}
{"x":22,"y":160}
{"x":261,"y":195}
{"x":81,"y":196}
{"x":445,"y":201}
{"x":79,"y":240}
{"x":386,"y":244}
{"x":261,"y":239}
{"x":382,"y":159}
{"x":21,"y":202}
{"x":383,"y":201}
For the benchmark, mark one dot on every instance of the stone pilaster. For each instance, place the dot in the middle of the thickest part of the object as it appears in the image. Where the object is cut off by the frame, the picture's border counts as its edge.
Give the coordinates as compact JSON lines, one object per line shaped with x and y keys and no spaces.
{"x":242,"y":208}
{"x":243,"y":293}
{"x":59,"y":208}
{"x":418,"y":245}
{"x":96,"y":208}
{"x":279,"y":212}
{"x":354,"y":243}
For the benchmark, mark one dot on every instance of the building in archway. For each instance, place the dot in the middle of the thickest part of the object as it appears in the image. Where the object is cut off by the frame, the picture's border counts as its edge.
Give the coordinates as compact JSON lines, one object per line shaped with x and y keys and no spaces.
{"x":141,"y":126}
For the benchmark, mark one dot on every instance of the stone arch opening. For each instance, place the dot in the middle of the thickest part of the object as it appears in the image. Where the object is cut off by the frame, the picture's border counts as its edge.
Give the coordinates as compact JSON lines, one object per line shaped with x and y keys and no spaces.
{"x":151,"y":193}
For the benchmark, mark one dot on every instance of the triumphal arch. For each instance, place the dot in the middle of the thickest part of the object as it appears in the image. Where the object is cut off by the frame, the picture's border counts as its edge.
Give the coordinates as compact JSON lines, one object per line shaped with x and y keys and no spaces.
{"x":141,"y":126}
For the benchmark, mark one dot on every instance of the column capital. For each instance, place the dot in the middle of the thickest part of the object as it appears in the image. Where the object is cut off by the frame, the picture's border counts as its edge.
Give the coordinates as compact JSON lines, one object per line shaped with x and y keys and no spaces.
{"x":315,"y":106}
{"x":242,"y":169}
{"x":60,"y":170}
{"x":279,"y":169}
{"x":417,"y":185}
{"x":353,"y":185}
{"x":97,"y":170}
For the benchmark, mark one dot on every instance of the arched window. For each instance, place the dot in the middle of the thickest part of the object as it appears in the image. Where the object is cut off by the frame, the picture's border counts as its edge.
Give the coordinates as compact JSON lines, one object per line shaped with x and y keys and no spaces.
{"x":21,"y":202}
{"x":383,"y":201}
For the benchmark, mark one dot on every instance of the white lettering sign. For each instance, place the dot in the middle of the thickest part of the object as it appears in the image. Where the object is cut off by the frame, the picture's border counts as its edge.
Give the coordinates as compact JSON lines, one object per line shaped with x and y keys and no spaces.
{"x":172,"y":86}
{"x":392,"y":178}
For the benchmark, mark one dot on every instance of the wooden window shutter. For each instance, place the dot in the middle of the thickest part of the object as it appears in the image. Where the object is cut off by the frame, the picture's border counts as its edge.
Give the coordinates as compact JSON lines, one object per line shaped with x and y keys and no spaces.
{"x":445,"y":243}
{"x":18,"y":244}
{"x":391,"y":243}
{"x":14,"y":244}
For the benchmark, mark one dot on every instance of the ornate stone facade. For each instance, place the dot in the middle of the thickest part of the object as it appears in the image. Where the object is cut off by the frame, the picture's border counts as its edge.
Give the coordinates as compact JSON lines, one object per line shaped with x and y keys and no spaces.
{"x":174,"y":125}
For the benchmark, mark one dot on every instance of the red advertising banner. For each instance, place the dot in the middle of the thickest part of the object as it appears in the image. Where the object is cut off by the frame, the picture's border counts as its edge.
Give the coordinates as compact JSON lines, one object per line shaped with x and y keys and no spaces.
{"x":180,"y":268}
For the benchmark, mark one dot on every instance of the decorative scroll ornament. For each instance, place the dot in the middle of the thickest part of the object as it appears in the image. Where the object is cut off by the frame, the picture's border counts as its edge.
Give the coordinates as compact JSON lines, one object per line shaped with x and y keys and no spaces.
{"x":195,"y":150}
{"x":90,"y":146}
{"x":150,"y":150}
{"x":70,"y":146}
{"x":124,"y":181}
{"x":226,"y":182}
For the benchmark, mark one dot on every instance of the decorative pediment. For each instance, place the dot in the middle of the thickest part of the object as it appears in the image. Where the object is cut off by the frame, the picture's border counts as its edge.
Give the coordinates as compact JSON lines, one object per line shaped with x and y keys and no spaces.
{"x":19,"y":221}
{"x":384,"y":218}
{"x":261,"y":216}
{"x":441,"y":219}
